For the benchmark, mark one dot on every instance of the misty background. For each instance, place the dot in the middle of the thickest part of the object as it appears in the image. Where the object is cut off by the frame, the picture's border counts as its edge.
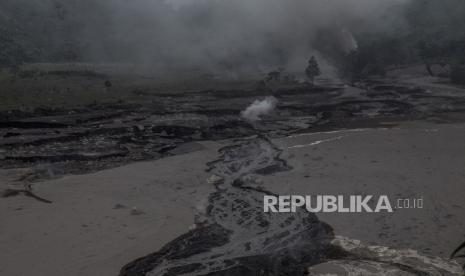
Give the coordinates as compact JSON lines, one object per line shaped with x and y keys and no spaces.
{"x":356,"y":36}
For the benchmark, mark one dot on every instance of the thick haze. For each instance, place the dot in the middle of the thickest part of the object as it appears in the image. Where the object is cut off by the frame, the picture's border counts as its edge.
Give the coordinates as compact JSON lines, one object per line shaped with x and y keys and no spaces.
{"x":230,"y":34}
{"x":213,"y":34}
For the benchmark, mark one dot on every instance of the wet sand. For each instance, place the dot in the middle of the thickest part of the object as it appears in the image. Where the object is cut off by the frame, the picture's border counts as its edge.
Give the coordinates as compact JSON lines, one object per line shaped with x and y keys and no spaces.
{"x":92,"y":227}
{"x":411,"y":161}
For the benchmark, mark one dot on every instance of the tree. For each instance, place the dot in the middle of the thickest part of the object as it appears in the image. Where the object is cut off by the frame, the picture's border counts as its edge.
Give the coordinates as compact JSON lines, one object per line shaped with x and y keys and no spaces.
{"x":313,"y":70}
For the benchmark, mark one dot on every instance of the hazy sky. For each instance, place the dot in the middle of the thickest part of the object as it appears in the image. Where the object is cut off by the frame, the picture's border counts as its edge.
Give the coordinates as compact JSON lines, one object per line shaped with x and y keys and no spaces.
{"x":231,"y":33}
{"x":212,"y":34}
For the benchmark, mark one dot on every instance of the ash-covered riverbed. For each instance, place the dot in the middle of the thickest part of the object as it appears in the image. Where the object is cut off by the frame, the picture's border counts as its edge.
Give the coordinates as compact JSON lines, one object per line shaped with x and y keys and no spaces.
{"x":232,"y":235}
{"x":53,"y":142}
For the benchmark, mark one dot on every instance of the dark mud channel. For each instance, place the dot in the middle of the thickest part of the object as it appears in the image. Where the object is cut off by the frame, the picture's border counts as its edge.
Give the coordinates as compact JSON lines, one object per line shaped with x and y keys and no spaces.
{"x":234,"y":236}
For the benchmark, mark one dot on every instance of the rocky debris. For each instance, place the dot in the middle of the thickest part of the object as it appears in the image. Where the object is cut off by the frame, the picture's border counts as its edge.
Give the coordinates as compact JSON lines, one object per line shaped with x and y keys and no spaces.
{"x":215,"y":180}
{"x":136,"y":212}
{"x":119,"y":206}
{"x":373,"y":260}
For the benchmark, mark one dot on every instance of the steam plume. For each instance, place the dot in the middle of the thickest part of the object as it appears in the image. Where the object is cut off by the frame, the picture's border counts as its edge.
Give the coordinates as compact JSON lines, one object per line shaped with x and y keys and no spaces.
{"x":259,"y":108}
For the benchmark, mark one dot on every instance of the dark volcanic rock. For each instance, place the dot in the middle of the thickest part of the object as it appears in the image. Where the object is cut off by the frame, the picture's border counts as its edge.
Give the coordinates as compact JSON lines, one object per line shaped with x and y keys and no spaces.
{"x":111,"y":135}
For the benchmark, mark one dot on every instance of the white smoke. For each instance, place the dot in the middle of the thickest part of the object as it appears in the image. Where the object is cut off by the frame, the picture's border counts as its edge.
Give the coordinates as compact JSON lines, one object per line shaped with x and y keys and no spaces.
{"x":259,"y":108}
{"x":348,"y":42}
